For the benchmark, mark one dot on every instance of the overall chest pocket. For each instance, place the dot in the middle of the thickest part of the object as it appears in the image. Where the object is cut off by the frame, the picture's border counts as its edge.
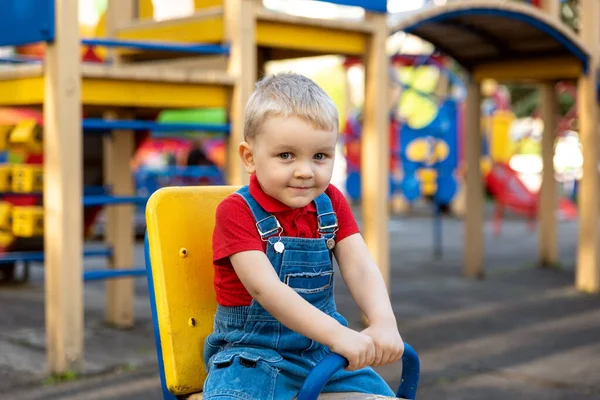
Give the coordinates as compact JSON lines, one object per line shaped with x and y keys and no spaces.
{"x":307,"y":271}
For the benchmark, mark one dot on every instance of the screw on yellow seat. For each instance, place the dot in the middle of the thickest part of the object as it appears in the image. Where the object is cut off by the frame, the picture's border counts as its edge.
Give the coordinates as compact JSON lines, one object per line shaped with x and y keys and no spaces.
{"x":178,"y":250}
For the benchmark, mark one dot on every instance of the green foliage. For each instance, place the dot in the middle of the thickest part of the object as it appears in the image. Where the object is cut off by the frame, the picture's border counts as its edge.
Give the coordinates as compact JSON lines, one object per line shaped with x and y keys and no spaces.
{"x":525,"y":100}
{"x":569,"y":12}
{"x":58,"y":378}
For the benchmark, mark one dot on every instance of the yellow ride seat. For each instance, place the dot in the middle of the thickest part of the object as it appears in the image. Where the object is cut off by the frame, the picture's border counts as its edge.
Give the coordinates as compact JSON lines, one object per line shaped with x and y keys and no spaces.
{"x":178,"y":249}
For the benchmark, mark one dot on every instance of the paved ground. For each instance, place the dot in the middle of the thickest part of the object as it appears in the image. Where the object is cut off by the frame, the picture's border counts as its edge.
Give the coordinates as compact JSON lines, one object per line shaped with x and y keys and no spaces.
{"x":522,"y":333}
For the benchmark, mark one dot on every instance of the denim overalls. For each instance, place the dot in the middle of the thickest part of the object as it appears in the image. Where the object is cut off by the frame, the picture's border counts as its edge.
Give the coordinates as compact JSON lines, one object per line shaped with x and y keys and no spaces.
{"x":250,"y":355}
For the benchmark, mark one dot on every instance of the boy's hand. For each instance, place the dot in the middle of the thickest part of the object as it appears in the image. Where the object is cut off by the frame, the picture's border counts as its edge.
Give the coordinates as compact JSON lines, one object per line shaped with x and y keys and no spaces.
{"x":389,"y":346}
{"x":356,"y":347}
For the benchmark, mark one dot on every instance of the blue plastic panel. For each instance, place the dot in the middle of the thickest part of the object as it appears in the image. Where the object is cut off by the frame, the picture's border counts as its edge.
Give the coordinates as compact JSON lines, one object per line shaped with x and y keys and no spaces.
{"x":26,"y":21}
{"x":379,"y":6}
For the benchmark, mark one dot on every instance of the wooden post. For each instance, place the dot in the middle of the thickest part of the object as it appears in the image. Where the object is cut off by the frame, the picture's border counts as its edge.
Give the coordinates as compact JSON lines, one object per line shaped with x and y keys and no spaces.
{"x":118,"y":13}
{"x":587,"y":277}
{"x":240,"y":31}
{"x":375,"y":154}
{"x":548,"y":235}
{"x":474,"y":242}
{"x":63,"y":181}
{"x":119,"y":232}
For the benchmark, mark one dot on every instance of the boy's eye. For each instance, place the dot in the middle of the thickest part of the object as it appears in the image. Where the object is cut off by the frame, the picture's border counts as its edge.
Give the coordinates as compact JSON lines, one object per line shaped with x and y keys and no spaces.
{"x":285,"y":156}
{"x":319,"y":156}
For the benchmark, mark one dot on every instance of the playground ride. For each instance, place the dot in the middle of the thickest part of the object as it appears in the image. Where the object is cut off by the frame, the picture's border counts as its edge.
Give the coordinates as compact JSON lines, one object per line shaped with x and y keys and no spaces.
{"x":509,"y":192}
{"x":501,"y":147}
{"x":178,"y":252}
{"x":485,"y":37}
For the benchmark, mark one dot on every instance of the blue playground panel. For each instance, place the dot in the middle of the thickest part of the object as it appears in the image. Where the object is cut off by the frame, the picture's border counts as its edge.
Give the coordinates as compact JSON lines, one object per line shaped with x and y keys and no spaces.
{"x":443,"y":128}
{"x":26,"y":21}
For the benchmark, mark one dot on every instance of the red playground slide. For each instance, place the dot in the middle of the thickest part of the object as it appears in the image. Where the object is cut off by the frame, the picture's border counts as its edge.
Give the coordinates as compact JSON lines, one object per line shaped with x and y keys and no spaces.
{"x":510,"y":192}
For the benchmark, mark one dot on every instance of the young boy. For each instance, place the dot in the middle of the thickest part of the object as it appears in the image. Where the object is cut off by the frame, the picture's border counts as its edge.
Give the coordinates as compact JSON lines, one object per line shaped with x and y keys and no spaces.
{"x":272,"y":245}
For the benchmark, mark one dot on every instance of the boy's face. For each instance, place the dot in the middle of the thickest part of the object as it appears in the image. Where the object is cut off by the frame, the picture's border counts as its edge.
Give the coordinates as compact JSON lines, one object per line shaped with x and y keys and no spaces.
{"x":292,"y":160}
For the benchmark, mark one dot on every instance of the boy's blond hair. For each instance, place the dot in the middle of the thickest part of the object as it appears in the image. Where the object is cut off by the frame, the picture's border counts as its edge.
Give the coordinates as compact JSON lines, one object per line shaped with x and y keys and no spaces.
{"x":289,"y":95}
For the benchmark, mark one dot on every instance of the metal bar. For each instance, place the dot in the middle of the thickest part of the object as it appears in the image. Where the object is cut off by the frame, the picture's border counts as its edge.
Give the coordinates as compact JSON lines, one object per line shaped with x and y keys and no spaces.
{"x":99,"y":200}
{"x":437,"y":231}
{"x":97,"y":124}
{"x":15,"y":256}
{"x":196,"y":171}
{"x":94,"y":200}
{"x":99,"y":252}
{"x":88,"y":191}
{"x":20,"y":60}
{"x":159,"y":46}
{"x":112,"y":274}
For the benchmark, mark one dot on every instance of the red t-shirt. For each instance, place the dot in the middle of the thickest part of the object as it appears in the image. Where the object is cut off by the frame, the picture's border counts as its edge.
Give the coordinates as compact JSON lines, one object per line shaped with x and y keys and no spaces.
{"x":235,"y":231}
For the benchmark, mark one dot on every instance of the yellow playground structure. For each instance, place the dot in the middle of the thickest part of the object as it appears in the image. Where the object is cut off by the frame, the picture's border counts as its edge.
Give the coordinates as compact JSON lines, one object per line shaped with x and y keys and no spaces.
{"x":213,"y":57}
{"x":151,"y":66}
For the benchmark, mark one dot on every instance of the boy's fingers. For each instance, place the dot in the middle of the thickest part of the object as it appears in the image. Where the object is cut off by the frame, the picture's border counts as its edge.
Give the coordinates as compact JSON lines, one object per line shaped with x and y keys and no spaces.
{"x":378,"y":357}
{"x":372,"y":356}
{"x":357,"y":362}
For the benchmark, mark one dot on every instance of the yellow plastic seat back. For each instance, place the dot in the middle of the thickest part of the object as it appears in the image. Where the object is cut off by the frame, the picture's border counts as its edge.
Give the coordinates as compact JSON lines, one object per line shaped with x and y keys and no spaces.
{"x":180,"y":223}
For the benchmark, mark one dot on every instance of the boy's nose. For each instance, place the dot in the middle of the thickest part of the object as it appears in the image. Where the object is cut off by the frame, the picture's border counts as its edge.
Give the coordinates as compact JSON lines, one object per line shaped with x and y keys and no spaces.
{"x":303,"y":170}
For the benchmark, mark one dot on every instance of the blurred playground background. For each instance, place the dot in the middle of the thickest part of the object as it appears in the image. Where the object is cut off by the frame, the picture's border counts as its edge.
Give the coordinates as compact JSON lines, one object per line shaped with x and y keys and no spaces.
{"x":512,"y":334}
{"x":426,"y":102}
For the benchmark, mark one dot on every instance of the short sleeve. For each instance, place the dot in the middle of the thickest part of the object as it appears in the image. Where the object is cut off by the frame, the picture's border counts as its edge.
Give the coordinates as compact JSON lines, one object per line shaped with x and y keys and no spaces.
{"x":346,"y":222}
{"x":235,"y":230}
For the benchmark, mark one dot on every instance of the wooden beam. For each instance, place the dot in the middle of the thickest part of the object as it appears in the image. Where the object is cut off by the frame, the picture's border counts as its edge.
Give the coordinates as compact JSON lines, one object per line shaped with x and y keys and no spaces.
{"x":529,"y":70}
{"x":474,"y":242}
{"x":240,"y":30}
{"x":375,"y":154}
{"x":348,"y":27}
{"x":200,"y":63}
{"x":548,"y":234}
{"x":119,"y":233}
{"x":123,"y":93}
{"x":587,"y":276}
{"x":63,"y":214}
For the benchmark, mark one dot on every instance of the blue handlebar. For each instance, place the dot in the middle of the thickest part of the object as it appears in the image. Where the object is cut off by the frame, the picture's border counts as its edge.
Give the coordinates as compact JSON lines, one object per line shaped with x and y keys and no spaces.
{"x":324,"y":370}
{"x":411,"y":370}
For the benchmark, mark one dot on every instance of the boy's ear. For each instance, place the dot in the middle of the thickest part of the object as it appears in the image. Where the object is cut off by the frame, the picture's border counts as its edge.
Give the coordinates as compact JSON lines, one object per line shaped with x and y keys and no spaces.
{"x":247,"y":157}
